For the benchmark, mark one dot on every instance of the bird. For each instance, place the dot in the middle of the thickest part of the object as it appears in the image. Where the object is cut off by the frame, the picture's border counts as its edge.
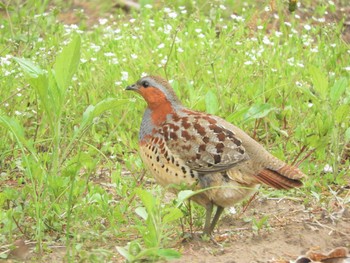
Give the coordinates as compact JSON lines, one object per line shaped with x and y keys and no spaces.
{"x":204,"y":152}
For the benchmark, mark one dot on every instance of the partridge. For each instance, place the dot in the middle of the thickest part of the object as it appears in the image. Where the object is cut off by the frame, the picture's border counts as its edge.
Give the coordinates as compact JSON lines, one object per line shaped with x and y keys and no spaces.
{"x":202,"y":151}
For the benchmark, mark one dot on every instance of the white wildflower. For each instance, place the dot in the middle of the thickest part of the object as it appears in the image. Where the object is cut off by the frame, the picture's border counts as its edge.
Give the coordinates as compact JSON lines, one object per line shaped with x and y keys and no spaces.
{"x":327,"y":168}
{"x":222,"y":7}
{"x":125,"y":75}
{"x":102,"y":21}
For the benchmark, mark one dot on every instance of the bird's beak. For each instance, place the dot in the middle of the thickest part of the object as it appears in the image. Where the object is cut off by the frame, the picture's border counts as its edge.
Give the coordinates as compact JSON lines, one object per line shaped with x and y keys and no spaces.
{"x":132,"y":87}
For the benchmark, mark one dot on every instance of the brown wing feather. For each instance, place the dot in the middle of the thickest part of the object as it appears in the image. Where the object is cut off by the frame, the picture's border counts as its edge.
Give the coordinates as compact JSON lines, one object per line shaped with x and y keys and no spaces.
{"x":205,"y":146}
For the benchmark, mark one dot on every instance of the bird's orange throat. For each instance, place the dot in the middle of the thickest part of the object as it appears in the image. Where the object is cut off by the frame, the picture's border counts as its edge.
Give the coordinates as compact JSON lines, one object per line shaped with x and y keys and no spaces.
{"x":157,"y":103}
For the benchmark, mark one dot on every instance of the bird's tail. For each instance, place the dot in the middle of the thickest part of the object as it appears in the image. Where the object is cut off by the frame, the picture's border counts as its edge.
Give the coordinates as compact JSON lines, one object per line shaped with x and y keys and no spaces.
{"x":284,"y":178}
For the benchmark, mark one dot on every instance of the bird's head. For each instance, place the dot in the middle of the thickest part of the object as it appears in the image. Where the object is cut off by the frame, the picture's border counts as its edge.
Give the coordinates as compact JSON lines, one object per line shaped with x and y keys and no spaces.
{"x":157,"y":92}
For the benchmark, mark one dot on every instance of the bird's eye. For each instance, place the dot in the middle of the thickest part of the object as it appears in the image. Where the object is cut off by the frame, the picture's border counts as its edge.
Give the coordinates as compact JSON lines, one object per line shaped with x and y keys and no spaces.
{"x":145,"y":84}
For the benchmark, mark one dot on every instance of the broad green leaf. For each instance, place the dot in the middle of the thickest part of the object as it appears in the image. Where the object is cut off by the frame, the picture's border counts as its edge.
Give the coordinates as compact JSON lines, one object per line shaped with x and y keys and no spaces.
{"x":173,"y":215}
{"x":147,"y":199}
{"x":94,"y":111}
{"x":319,"y":81}
{"x":211,"y":102}
{"x":66,"y":63}
{"x":29,"y":67}
{"x":184,"y":195}
{"x":125,"y":253}
{"x":258,"y":111}
{"x":141,"y":211}
{"x":168,"y":253}
{"x":17,"y":130}
{"x":347,"y":134}
{"x":338,"y":89}
{"x":342,"y":113}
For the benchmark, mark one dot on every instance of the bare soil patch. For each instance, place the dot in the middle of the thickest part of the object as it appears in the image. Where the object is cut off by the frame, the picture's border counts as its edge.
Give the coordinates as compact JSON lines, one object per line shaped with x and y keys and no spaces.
{"x":293,"y":228}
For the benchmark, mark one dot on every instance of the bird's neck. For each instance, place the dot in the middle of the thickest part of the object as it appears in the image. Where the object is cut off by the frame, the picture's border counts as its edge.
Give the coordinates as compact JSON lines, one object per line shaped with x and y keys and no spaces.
{"x":154,"y":116}
{"x":159,"y":112}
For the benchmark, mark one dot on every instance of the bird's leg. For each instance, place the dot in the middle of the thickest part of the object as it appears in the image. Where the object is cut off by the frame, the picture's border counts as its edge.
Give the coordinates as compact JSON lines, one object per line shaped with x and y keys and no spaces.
{"x":207,"y":226}
{"x":217,"y":215}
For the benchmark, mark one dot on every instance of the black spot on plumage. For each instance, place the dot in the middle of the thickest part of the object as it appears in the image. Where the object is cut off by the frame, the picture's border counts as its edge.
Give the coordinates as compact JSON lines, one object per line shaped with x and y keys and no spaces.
{"x":240,"y":150}
{"x":217,"y":158}
{"x":183,"y":169}
{"x":238,"y":142}
{"x":167,"y":169}
{"x":157,"y":158}
{"x":192,"y":174}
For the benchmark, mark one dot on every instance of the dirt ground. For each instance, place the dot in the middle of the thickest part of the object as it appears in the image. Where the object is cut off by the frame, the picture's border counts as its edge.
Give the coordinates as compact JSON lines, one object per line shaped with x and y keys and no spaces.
{"x":292,"y":230}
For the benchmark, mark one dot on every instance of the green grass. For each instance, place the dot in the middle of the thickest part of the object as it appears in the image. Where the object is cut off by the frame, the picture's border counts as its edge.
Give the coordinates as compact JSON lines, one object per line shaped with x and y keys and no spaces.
{"x":70,"y":171}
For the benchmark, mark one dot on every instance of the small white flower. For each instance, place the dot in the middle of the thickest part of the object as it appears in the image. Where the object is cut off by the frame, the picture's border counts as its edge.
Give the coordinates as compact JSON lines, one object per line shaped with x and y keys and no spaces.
{"x":109,"y":54}
{"x":300,"y":65}
{"x":201,"y":35}
{"x":331,"y":3}
{"x":144,"y":74}
{"x":273,"y":70}
{"x":248,"y":62}
{"x":267,"y":41}
{"x":327,"y":168}
{"x":347,"y":68}
{"x":297,"y":16}
{"x":278,"y":33}
{"x":321,"y":20}
{"x":314,"y":50}
{"x":180,"y":50}
{"x":167,"y":10}
{"x":132,"y":20}
{"x":298,"y":83}
{"x":125,"y":75}
{"x":232,"y":211}
{"x":93,"y":59}
{"x":161,"y":45}
{"x":172,"y":15}
{"x":310,"y":105}
{"x":198,"y":30}
{"x":333,"y":45}
{"x":307,"y":27}
{"x":18,"y":113}
{"x":260,"y":27}
{"x":148,"y":6}
{"x":331,"y":74}
{"x":133,"y":56}
{"x":222,"y":7}
{"x":118,"y":83}
{"x":102,"y":21}
{"x":114,"y":61}
{"x":167,"y":29}
{"x":267,"y":8}
{"x":238,"y":43}
{"x":288,"y":24}
{"x":237,"y":18}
